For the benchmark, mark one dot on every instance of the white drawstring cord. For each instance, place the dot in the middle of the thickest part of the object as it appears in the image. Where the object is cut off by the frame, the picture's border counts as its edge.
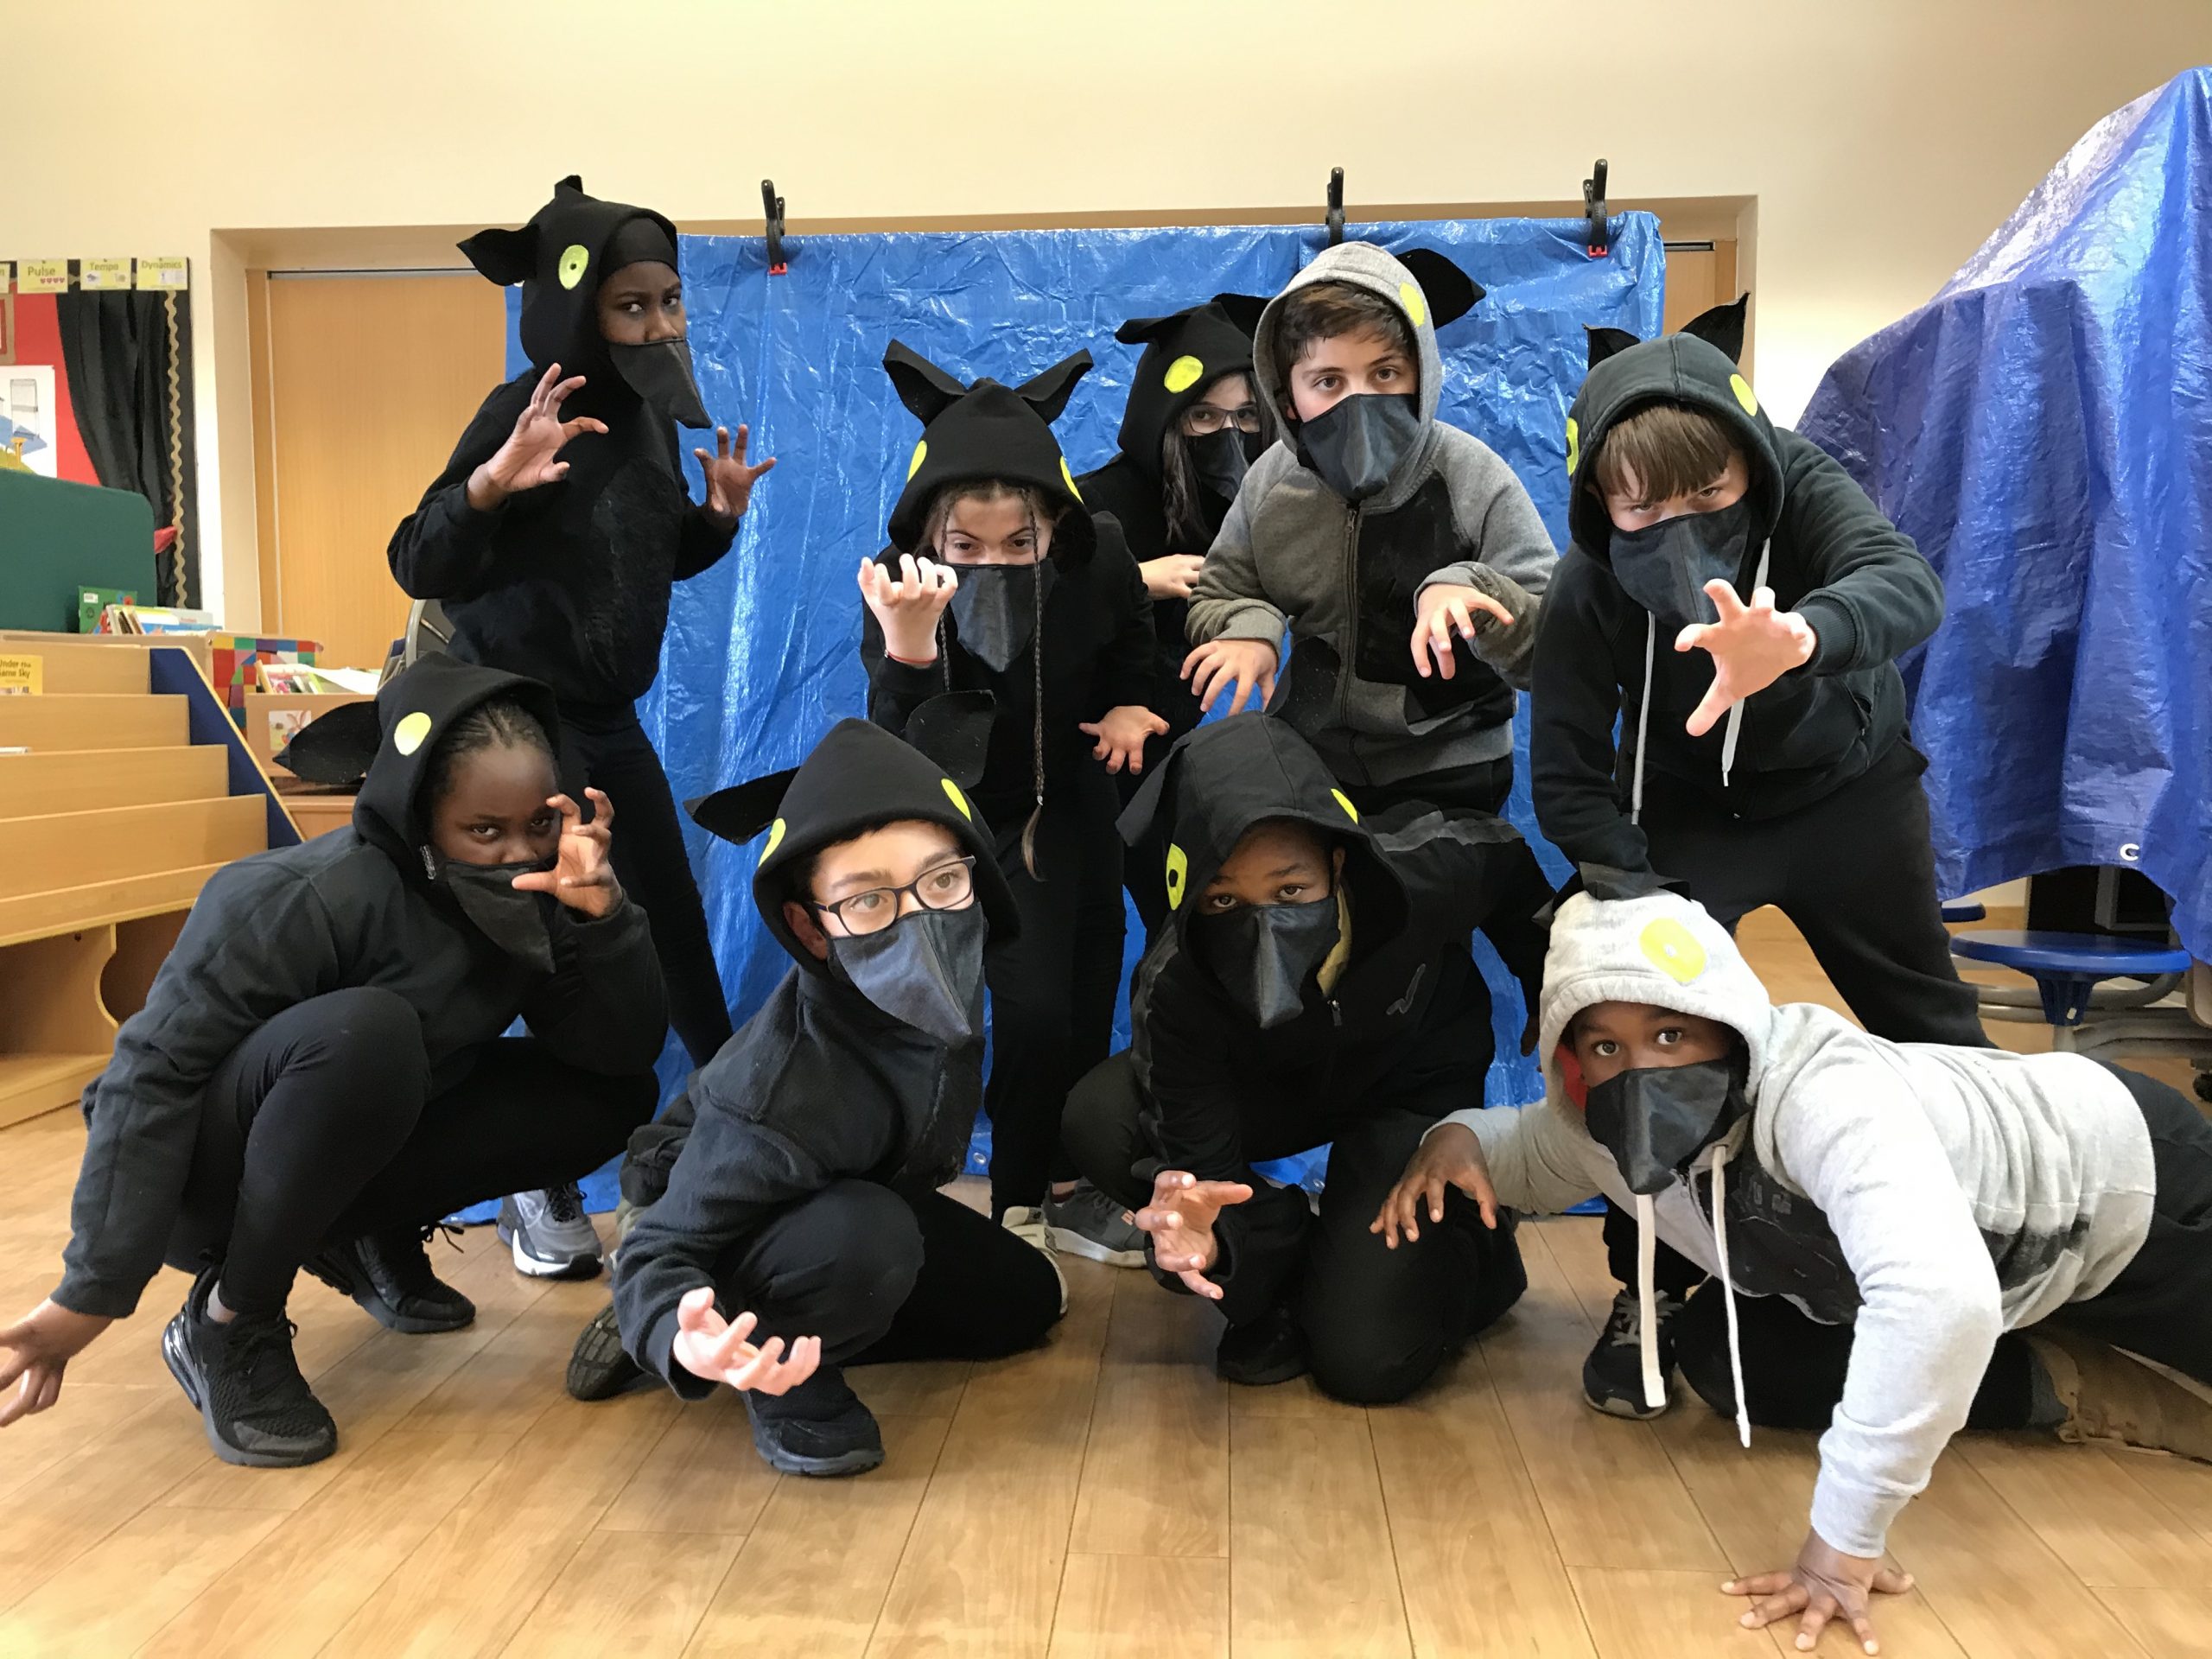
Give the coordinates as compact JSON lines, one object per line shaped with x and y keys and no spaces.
{"x":1647,"y":1253}
{"x":1642,"y":720}
{"x":1736,"y":709}
{"x":1728,"y":1290}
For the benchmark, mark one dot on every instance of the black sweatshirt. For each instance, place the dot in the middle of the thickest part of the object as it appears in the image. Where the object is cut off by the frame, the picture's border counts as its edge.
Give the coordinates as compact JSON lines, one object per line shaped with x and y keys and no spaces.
{"x":1833,"y":558}
{"x":1404,"y":1027}
{"x":1120,"y":489}
{"x":351,"y":908}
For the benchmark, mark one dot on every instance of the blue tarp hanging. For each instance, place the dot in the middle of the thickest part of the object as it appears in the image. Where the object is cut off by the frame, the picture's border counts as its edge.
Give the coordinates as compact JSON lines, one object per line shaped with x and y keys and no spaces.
{"x":762,"y":650}
{"x":2043,"y":428}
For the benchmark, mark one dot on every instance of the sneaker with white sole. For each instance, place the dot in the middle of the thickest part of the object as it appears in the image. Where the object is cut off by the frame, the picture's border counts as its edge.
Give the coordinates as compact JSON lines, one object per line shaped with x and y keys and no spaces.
{"x":550,"y":1234}
{"x":1088,"y":1223}
{"x":1029,"y":1226}
{"x":1612,"y":1377}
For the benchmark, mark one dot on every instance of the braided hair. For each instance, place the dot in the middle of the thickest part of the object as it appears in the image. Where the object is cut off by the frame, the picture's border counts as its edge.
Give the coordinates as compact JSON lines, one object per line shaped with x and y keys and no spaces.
{"x":495,"y":723}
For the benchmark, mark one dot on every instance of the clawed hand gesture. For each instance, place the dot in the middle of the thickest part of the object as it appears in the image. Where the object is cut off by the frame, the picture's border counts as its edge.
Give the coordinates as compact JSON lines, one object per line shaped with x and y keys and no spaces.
{"x":1119,"y":735}
{"x":530,"y":456}
{"x":906,"y":606}
{"x":729,"y":480}
{"x":1180,"y":1219}
{"x":1752,"y":646}
{"x":583,"y":878}
{"x":707,"y":1345}
{"x":1442,"y":611}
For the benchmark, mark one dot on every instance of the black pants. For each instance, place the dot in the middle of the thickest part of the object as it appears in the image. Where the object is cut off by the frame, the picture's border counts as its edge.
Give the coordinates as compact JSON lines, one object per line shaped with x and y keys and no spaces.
{"x":879,"y":1277}
{"x":1856,"y":872}
{"x":1377,"y":1322}
{"x":321,"y":1126}
{"x":1483,"y":785}
{"x":2159,"y":1307}
{"x":1051,"y":987}
{"x":609,"y":749}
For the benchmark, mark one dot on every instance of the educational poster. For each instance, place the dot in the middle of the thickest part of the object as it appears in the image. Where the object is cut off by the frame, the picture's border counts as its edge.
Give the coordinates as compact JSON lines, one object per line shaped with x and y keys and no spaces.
{"x":27,"y":418}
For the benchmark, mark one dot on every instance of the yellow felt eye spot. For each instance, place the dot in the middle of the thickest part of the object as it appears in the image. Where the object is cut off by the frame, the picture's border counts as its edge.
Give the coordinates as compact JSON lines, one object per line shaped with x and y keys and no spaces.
{"x":1573,"y":446}
{"x":1068,"y":479}
{"x":1673,"y":950}
{"x":1744,"y":395}
{"x":1409,"y":295}
{"x":408,"y":735}
{"x":921,"y":455}
{"x":1178,"y":871}
{"x":1345,"y":801}
{"x":1183,"y":374}
{"x":574,"y":258}
{"x":775,"y":840}
{"x":952,"y":793}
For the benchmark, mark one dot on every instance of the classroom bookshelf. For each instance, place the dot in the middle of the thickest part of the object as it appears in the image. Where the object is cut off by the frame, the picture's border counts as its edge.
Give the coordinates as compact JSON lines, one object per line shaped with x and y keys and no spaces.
{"x":123,"y":786}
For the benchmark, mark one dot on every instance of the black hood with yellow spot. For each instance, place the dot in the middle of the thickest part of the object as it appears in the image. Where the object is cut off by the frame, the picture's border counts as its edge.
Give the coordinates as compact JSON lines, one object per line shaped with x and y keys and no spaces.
{"x":1184,"y":354}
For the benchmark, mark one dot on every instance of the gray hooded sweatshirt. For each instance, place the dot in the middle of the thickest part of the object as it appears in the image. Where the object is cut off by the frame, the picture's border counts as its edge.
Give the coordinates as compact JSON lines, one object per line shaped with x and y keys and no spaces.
{"x":1346,"y":578}
{"x":1932,"y":1197}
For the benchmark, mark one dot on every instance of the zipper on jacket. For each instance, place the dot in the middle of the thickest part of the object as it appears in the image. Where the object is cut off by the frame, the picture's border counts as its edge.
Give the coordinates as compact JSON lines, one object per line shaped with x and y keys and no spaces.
{"x":1350,"y":654}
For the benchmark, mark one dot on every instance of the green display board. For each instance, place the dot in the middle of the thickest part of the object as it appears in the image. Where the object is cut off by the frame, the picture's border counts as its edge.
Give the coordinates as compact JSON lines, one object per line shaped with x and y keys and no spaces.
{"x":57,"y":537}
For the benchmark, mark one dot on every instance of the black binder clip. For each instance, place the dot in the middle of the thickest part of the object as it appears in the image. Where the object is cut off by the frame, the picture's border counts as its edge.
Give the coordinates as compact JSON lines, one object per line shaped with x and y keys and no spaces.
{"x":772,"y":208}
{"x":1336,"y":218}
{"x":1593,"y":208}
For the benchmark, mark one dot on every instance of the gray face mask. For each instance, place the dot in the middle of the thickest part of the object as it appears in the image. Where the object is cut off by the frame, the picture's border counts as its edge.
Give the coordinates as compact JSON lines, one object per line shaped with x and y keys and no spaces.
{"x":1664,"y":567}
{"x":659,"y":371}
{"x":519,"y":923}
{"x":1358,"y":442}
{"x":994,"y":612}
{"x":924,"y":970}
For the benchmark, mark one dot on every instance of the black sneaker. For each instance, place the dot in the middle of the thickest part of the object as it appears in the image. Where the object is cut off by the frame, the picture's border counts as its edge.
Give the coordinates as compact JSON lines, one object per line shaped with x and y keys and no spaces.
{"x":389,"y":1274}
{"x":1612,"y":1377}
{"x":257,"y":1407}
{"x":1270,"y":1349}
{"x":819,"y":1429}
{"x":599,"y":1369}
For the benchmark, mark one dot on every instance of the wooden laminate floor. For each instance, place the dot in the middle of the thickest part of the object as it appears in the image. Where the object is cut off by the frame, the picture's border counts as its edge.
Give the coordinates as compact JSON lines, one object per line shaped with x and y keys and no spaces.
{"x":1105,"y":1495}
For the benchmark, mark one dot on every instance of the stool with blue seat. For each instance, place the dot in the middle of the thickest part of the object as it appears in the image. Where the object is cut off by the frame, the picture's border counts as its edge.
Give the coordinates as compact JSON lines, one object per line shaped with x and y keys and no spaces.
{"x":2086,"y":1017}
{"x":1963,"y":910}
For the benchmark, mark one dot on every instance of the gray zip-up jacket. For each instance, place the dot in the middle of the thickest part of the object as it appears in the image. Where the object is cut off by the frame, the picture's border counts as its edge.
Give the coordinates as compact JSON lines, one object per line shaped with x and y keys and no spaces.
{"x":1346,"y":579}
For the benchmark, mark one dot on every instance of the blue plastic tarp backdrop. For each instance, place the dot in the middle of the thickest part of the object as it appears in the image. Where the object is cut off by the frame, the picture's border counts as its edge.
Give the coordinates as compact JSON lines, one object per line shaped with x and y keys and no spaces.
{"x":2043,"y":428}
{"x":762,"y":651}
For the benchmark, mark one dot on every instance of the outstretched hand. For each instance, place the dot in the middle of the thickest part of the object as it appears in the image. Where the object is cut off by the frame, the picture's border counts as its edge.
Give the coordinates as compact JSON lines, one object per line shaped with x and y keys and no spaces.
{"x":1119,"y":735}
{"x":35,"y":1350}
{"x":729,"y":480}
{"x":1752,"y":646}
{"x":530,"y":456}
{"x":1441,"y":610}
{"x":707,"y":1345}
{"x":1449,"y":1155}
{"x":582,"y":876}
{"x":1825,"y":1585}
{"x":1180,"y":1219}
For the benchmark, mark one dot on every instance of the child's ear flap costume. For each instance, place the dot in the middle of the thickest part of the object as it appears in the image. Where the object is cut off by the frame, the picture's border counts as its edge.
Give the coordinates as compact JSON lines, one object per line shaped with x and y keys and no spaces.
{"x":1048,"y":393}
{"x":743,"y":810}
{"x":1605,"y":342}
{"x":1242,"y":309}
{"x":335,"y":748}
{"x":955,"y":731}
{"x":926,"y":389}
{"x":1450,"y":292}
{"x":1723,"y":325}
{"x":504,"y":257}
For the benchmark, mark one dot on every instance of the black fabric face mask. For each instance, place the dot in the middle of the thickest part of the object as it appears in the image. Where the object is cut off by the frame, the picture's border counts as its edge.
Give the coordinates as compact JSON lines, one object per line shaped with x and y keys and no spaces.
{"x":995,"y":608}
{"x":659,"y":371}
{"x":1220,"y":460}
{"x":518,"y":922}
{"x":924,"y":970}
{"x":1358,"y":442}
{"x":1664,"y":567}
{"x":1264,"y":954}
{"x":1655,"y":1120}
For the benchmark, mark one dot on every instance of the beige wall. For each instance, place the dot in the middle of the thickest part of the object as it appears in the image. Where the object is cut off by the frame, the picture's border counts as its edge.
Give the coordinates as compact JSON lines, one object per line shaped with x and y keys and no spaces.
{"x":1881,"y":139}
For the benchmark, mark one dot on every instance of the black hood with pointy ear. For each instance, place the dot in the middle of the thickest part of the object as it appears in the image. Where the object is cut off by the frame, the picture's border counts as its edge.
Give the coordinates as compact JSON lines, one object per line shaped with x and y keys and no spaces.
{"x":560,"y":258}
{"x":987,"y":430}
{"x":859,"y":778}
{"x":415,"y":712}
{"x":1184,"y":354}
{"x":1220,"y":780}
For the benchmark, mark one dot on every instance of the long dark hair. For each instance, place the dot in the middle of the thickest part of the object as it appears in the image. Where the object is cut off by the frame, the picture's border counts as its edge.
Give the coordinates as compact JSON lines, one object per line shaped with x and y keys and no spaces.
{"x":1180,"y":501}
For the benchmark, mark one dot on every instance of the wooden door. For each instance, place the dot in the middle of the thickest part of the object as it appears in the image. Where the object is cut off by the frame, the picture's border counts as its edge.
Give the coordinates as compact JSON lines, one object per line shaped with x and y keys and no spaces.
{"x":362,"y":384}
{"x":1700,"y":275}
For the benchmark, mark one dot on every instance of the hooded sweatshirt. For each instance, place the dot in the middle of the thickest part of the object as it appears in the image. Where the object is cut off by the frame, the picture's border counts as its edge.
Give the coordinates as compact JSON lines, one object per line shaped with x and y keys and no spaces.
{"x":1402,"y":1017}
{"x":820,"y":1085}
{"x":1184,"y":356}
{"x":568,"y":581}
{"x":1096,"y":624}
{"x":1932,"y":1197}
{"x":1815,"y":539}
{"x":1346,"y":579}
{"x":357,"y":907}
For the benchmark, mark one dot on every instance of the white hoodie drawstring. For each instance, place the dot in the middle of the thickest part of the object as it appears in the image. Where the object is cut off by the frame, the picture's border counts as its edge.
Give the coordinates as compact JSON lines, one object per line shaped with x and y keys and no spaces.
{"x":1736,"y":709}
{"x":1728,"y":1289}
{"x":1647,"y":1252}
{"x":1643,"y":720}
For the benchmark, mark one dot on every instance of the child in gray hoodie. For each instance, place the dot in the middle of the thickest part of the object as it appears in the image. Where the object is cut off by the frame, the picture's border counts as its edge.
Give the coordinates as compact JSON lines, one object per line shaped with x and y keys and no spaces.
{"x":1402,"y":554}
{"x":1883,"y":1219}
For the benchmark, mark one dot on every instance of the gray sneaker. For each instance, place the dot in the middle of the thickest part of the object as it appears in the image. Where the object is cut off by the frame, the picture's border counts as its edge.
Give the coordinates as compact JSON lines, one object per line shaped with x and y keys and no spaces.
{"x":550,"y":1234}
{"x":1089,"y":1223}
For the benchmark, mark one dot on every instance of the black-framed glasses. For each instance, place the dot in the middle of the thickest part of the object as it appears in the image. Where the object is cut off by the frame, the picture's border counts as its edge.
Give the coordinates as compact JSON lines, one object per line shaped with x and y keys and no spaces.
{"x":1200,"y":420}
{"x":942,"y":887}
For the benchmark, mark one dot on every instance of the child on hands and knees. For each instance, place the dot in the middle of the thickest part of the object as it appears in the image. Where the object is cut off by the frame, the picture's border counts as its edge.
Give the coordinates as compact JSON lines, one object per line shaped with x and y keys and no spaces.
{"x":1906,"y":1240}
{"x":1001,"y":582}
{"x":802,"y":1190}
{"x":319,"y":1073}
{"x":1404,"y":557}
{"x":1733,"y":605}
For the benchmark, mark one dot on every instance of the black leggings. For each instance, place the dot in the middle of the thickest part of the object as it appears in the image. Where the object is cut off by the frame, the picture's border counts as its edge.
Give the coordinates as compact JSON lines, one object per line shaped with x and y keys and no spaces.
{"x":609,"y":749}
{"x":321,"y":1126}
{"x":1051,"y":987}
{"x":2160,"y":1306}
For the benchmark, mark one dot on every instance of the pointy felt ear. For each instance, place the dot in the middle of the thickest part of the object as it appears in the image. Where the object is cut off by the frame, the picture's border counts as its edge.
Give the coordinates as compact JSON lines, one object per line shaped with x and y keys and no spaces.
{"x":336,"y":747}
{"x":1048,"y":393}
{"x":1606,"y":882}
{"x":1723,"y":325}
{"x":1604,"y":342}
{"x":1137,"y":819}
{"x":926,"y":389}
{"x":742,"y":811}
{"x":954,"y":729}
{"x":573,"y":185}
{"x":506,"y":257}
{"x":1451,"y":293}
{"x":1142,"y":331}
{"x":1242,"y":309}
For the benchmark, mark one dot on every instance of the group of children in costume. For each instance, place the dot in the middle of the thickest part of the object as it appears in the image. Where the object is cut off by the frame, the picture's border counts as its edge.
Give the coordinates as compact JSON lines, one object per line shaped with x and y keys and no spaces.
{"x":1889,"y":1233}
